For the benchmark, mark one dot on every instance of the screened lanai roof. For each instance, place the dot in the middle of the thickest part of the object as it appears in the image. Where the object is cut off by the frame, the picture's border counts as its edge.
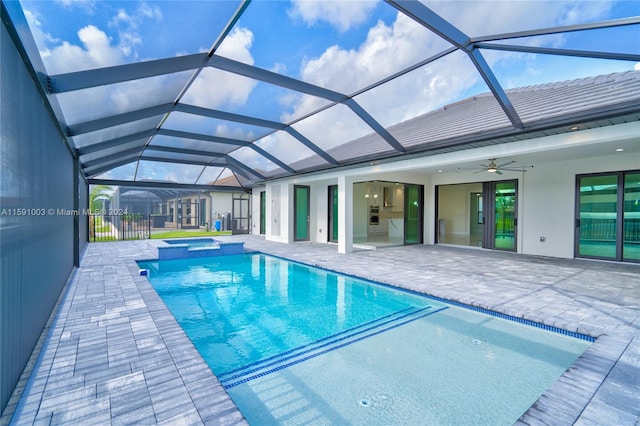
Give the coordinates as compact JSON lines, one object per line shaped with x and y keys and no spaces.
{"x":212,"y":92}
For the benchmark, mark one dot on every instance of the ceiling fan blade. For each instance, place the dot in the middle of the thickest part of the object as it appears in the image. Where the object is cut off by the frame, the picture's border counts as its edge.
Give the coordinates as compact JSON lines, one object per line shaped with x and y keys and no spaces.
{"x":498,"y":172}
{"x":478,"y":171}
{"x":506,"y":164}
{"x":517,"y":168}
{"x":483,"y":165}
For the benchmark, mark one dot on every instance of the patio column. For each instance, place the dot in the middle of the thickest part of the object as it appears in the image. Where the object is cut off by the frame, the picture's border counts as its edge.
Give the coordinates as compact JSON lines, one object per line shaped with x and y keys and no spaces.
{"x":345,"y":214}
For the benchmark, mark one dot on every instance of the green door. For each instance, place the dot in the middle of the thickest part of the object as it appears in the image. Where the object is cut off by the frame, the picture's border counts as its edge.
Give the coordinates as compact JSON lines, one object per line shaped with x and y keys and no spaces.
{"x":333,"y":213}
{"x":263,"y":212}
{"x":301,"y":220}
{"x":413,"y":213}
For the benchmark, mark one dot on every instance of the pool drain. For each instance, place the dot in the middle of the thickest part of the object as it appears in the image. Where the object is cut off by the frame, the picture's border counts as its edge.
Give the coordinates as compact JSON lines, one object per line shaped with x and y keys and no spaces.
{"x":364,"y":402}
{"x":476,"y":341}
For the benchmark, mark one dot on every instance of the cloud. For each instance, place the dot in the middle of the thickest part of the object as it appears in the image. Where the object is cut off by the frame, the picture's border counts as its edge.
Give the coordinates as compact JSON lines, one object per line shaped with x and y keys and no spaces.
{"x":214,"y":88}
{"x":89,"y":6}
{"x":444,"y":81}
{"x":96,"y":51}
{"x":253,"y":160}
{"x":124,"y":172}
{"x":127,"y":24}
{"x":97,"y":48}
{"x":343,"y":15}
{"x":180,"y":173}
{"x":285,"y":147}
{"x":237,"y":45}
{"x":232,"y":132}
{"x":495,"y":17}
{"x":343,"y":70}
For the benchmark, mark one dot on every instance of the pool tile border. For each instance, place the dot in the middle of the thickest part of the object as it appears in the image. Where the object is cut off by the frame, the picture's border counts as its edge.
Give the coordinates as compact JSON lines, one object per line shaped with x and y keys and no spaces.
{"x":459,"y":304}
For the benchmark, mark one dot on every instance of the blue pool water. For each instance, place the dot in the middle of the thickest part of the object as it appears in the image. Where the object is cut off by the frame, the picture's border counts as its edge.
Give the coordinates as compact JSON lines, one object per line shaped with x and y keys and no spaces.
{"x":293,"y":344}
{"x":194,"y":242}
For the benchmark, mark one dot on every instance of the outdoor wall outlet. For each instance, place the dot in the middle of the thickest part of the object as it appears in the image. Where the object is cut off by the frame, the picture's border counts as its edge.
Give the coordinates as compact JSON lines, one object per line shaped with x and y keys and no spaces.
{"x":542,"y":239}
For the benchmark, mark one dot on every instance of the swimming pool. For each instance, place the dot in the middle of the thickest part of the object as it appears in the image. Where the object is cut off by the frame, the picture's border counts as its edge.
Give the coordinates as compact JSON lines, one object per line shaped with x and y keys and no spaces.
{"x":293,"y":344}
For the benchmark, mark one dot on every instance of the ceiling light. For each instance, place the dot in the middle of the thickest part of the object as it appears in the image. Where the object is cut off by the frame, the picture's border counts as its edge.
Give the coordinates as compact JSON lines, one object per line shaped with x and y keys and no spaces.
{"x":574,"y":128}
{"x":619,"y":149}
{"x":492,"y":169}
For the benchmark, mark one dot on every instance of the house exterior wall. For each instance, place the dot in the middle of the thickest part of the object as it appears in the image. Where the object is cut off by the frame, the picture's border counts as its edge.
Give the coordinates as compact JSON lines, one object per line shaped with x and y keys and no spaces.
{"x":221,"y":204}
{"x":546,"y":192}
{"x":548,"y":208}
{"x":38,"y":249}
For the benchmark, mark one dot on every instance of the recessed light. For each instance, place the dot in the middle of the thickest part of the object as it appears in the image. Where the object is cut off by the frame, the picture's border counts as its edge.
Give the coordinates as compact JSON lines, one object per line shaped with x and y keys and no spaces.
{"x":574,"y":128}
{"x":439,"y":171}
{"x":619,"y":149}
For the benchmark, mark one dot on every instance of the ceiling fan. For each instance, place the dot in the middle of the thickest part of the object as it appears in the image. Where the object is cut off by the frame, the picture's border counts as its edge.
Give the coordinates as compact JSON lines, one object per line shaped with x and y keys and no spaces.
{"x":492,"y":167}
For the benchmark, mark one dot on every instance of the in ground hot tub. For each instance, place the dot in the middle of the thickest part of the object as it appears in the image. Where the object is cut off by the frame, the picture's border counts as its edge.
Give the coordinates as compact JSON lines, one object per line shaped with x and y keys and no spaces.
{"x":192,"y":248}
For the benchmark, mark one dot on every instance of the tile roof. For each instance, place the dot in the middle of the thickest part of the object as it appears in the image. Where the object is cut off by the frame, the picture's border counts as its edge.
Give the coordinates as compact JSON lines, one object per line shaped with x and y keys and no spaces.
{"x":480,"y":118}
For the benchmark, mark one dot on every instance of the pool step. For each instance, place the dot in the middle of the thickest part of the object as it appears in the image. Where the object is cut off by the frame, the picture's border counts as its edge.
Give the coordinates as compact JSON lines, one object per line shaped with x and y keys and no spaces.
{"x":322,"y":346}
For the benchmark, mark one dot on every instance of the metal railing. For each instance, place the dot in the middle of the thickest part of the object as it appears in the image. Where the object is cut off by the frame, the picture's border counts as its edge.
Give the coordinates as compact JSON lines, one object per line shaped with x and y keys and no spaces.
{"x":119,"y":227}
{"x":606,"y":229}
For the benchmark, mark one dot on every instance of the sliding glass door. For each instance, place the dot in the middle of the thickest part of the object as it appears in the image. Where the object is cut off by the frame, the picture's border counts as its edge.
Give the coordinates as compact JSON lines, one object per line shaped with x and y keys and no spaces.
{"x":504,"y":215}
{"x":482,"y":214}
{"x":631,"y":217}
{"x":608,"y":216}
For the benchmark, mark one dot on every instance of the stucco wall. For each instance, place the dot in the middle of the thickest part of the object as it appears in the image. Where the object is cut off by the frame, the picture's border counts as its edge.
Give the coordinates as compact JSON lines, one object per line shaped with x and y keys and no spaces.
{"x":546,"y":203}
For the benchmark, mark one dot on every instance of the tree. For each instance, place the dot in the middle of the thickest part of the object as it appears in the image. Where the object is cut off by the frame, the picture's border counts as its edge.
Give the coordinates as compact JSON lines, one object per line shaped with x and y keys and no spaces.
{"x":97,"y":195}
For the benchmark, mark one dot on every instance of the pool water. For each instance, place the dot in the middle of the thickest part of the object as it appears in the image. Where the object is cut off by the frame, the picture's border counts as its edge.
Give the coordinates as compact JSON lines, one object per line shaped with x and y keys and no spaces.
{"x":293,"y":344}
{"x":194,"y":242}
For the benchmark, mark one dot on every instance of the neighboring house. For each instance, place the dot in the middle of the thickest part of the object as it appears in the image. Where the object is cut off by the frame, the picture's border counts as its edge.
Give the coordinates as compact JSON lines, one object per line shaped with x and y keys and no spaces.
{"x":181,"y":209}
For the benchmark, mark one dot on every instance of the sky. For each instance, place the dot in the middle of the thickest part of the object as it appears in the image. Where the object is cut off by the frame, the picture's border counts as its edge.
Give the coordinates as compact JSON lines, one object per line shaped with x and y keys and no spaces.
{"x":344,"y":46}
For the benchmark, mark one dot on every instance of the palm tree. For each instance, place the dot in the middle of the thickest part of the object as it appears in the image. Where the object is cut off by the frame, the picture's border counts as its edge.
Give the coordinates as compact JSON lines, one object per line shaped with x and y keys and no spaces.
{"x":97,"y":195}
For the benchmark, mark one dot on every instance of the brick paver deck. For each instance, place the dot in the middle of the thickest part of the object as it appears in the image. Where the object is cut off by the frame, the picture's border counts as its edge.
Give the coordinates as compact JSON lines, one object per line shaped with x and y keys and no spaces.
{"x":113,"y":354}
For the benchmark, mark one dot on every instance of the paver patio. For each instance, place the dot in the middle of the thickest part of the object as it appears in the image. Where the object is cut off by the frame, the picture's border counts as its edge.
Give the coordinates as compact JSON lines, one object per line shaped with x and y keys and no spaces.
{"x":114,"y":354}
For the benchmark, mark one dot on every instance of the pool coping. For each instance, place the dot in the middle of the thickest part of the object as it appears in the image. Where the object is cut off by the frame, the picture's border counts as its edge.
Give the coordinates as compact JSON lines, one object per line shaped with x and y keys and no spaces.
{"x":574,"y":398}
